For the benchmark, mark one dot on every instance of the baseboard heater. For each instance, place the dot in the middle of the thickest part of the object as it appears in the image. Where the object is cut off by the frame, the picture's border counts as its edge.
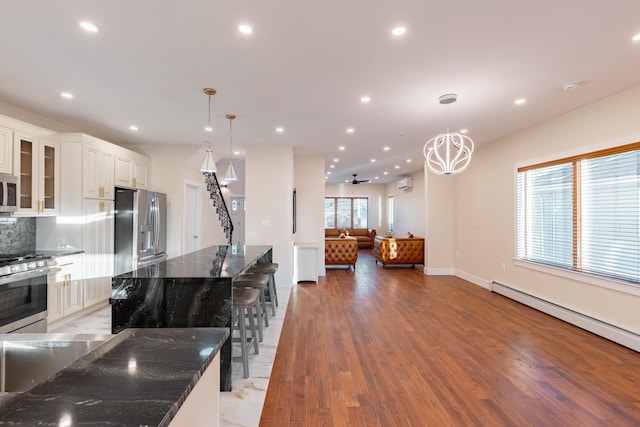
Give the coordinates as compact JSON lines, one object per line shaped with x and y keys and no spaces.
{"x":605,"y":330}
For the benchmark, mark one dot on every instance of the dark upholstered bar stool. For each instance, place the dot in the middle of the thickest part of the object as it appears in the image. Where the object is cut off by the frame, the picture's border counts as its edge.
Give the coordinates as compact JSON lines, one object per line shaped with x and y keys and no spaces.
{"x":245,"y":301}
{"x":269,"y":268}
{"x":261,"y":283}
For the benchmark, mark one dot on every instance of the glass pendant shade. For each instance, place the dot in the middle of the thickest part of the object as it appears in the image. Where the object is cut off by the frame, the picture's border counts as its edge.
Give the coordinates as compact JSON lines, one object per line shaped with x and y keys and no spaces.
{"x":230,"y":175}
{"x":209,"y":164}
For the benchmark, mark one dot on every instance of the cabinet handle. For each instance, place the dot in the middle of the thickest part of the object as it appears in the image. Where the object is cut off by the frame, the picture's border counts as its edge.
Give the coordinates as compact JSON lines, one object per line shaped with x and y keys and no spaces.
{"x":101,"y":192}
{"x":133,"y":182}
{"x":101,"y":207}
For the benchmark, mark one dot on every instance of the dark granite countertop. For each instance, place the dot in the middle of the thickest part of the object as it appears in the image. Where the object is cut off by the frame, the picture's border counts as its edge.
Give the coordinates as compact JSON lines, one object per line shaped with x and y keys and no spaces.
{"x":56,"y":253}
{"x":214,"y":261}
{"x":139,"y":377}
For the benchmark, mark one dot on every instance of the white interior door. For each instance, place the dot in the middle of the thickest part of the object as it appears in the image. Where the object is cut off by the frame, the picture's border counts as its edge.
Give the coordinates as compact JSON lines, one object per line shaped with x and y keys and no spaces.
{"x":191,"y":214}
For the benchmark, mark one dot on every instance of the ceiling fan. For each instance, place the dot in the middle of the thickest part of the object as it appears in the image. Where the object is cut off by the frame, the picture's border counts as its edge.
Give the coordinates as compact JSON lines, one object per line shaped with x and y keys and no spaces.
{"x":358,"y":181}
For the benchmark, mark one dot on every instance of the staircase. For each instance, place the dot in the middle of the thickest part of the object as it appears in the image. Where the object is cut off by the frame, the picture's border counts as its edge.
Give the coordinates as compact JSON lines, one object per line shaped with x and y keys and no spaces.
{"x":217,"y":201}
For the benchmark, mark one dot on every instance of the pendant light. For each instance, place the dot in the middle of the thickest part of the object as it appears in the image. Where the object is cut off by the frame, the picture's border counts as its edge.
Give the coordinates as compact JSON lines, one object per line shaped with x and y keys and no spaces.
{"x":230,"y":175}
{"x":209,"y":164}
{"x":448,"y":153}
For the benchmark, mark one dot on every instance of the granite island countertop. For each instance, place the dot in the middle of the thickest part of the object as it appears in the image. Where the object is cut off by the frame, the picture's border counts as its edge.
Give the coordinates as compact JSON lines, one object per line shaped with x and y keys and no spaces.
{"x":225,"y":261}
{"x":139,"y":377}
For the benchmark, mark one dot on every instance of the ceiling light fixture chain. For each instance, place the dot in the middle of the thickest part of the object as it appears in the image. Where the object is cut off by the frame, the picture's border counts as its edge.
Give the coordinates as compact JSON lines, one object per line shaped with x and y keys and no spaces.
{"x":209,"y":164}
{"x":230,"y":175}
{"x":448,"y":153}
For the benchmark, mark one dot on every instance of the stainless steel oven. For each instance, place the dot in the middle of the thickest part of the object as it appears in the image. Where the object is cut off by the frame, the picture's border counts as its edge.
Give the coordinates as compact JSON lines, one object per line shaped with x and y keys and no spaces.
{"x":8,"y":193}
{"x":23,"y":298}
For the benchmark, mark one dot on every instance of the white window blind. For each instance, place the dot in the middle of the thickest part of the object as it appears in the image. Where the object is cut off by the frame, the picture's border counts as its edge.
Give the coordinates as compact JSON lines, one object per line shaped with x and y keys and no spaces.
{"x":610,"y":208}
{"x":583,"y":213}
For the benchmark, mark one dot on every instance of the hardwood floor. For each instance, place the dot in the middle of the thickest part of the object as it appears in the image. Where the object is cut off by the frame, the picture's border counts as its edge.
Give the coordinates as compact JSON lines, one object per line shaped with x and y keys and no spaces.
{"x":393,"y":347}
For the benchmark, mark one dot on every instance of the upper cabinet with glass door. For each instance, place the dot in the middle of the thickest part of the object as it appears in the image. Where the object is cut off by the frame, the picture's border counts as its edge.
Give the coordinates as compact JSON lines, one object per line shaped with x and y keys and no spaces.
{"x":37,"y":163}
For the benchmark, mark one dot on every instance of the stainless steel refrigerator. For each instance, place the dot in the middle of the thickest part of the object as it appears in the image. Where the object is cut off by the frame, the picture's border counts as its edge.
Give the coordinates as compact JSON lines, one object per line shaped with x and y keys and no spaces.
{"x":140,"y":229}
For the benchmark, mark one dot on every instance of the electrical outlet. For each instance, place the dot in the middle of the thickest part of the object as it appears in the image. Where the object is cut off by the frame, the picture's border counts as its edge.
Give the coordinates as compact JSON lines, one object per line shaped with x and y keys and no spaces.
{"x":457,"y":254}
{"x":503,"y":267}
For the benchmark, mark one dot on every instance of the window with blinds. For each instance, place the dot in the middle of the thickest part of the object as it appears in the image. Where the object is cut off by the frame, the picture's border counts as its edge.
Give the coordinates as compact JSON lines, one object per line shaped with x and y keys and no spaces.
{"x":346,"y":212}
{"x":583,"y":213}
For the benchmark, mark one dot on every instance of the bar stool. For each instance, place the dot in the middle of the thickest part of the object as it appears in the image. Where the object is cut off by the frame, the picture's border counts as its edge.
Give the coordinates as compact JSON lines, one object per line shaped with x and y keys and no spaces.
{"x":269,"y":268}
{"x":261,"y":283}
{"x":245,"y":300}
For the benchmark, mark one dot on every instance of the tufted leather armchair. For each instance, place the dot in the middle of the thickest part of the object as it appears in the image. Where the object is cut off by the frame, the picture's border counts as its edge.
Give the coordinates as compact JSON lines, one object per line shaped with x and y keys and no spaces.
{"x":339,"y":251}
{"x":398,"y":251}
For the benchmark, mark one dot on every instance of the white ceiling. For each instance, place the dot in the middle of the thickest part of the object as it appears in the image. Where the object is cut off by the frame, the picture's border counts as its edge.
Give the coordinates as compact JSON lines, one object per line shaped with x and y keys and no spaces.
{"x":306,"y":65}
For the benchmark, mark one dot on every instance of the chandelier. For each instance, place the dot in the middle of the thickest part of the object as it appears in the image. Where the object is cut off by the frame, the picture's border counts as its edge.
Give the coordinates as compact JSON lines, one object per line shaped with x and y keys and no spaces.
{"x":209,"y":164}
{"x":449,"y":152}
{"x":230,"y":175}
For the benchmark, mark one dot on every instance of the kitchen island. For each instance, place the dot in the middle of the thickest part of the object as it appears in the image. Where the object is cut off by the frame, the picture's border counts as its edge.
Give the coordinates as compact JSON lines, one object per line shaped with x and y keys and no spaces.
{"x":192,"y":290}
{"x":150,"y":377}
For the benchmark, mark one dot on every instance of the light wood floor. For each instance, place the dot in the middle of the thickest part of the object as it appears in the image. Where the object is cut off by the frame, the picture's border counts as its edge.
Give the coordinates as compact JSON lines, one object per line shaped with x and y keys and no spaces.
{"x":393,"y":347}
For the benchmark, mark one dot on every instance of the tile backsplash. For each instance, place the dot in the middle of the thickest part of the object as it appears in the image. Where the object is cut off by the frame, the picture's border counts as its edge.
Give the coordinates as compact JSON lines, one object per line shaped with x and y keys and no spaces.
{"x":17,"y":235}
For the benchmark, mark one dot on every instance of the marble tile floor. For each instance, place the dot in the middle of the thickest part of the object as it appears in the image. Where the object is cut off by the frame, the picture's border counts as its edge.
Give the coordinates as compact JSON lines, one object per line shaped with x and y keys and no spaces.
{"x":241,"y":407}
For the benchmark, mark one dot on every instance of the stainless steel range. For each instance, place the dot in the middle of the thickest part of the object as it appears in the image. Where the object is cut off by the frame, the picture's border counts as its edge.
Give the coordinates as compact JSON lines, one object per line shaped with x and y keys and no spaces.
{"x":23,"y":293}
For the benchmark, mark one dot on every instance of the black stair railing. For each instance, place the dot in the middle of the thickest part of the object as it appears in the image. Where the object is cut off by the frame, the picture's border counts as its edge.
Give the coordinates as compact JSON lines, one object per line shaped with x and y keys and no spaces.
{"x":217,"y":201}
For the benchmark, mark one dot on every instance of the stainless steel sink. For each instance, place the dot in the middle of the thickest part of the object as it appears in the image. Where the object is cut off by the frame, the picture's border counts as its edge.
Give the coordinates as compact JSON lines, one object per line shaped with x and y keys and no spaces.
{"x":26,"y":360}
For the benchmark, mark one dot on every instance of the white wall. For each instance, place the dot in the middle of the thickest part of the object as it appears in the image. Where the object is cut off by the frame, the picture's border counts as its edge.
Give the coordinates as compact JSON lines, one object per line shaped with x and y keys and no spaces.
{"x":376,"y":193}
{"x":409,"y":208}
{"x":485,"y":207}
{"x":309,"y":184}
{"x":170,"y":166}
{"x":269,"y":193}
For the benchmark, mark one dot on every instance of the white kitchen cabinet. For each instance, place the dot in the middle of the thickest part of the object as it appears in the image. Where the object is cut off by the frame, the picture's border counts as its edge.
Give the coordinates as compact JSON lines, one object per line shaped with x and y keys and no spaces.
{"x":98,"y":234}
{"x":97,"y":172}
{"x":6,"y":150}
{"x":65,"y":287}
{"x":37,"y":163}
{"x":131,"y":170}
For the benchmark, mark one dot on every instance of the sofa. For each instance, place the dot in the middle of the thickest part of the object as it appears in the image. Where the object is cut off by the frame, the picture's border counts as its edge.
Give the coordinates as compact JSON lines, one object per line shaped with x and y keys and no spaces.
{"x":398,"y":250}
{"x":364,"y":236}
{"x":340,"y":251}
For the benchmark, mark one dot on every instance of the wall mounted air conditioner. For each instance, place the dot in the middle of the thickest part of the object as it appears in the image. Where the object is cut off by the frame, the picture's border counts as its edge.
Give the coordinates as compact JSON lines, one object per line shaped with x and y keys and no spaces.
{"x":404,"y":183}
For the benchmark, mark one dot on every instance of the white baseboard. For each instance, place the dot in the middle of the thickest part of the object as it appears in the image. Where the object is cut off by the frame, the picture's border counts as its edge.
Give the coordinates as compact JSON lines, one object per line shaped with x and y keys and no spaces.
{"x":605,"y":330}
{"x":438,"y":271}
{"x":473,"y":279}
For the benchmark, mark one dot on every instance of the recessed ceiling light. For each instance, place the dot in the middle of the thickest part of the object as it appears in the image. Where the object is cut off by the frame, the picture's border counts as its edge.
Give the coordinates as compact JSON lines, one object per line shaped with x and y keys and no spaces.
{"x":364,"y":99}
{"x":245,"y":29}
{"x":237,"y":153}
{"x":336,"y":160}
{"x":329,"y":173}
{"x":66,"y":95}
{"x":463,"y":131}
{"x":89,"y":27}
{"x":398,"y":31}
{"x":351,"y":130}
{"x":636,"y":38}
{"x":332,"y":166}
{"x":408,"y":160}
{"x":386,"y":148}
{"x":385,"y":173}
{"x":520,"y":101}
{"x":208,"y":129}
{"x":133,"y":127}
{"x":341,"y":148}
{"x":376,"y":177}
{"x":397,"y":166}
{"x":279,"y":129}
{"x":373,"y":160}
